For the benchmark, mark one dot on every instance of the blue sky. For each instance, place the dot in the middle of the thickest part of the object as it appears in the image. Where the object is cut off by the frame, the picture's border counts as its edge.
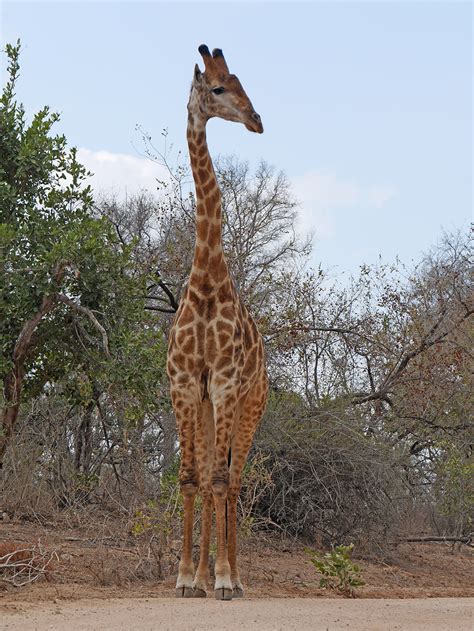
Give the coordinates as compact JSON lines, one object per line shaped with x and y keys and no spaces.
{"x":366,"y":106}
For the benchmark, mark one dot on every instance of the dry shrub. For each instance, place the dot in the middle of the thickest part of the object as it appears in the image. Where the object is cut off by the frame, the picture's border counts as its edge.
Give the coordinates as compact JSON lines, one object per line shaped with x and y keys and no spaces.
{"x":257,"y":481}
{"x":331,"y":481}
{"x":141,"y":563}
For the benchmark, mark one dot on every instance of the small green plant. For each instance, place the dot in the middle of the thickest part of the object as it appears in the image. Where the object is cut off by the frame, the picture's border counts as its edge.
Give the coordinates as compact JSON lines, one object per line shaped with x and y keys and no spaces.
{"x":144,"y":520}
{"x":337,"y":569}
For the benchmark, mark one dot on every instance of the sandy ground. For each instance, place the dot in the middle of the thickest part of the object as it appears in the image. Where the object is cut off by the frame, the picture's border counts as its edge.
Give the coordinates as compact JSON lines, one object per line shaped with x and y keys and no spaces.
{"x":101,"y":577}
{"x":440,"y":614}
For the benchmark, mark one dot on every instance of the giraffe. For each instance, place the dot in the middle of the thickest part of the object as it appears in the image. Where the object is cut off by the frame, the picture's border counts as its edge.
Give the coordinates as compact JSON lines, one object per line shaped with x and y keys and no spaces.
{"x":216,"y":359}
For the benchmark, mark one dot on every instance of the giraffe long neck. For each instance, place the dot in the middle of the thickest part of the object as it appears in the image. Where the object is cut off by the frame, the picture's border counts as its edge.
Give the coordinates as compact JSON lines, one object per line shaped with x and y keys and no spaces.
{"x":208,"y":251}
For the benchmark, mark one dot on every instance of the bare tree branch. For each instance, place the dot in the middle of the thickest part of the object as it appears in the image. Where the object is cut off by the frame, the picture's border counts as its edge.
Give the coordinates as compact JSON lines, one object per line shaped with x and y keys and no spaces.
{"x":92,"y":318}
{"x":172,"y":300}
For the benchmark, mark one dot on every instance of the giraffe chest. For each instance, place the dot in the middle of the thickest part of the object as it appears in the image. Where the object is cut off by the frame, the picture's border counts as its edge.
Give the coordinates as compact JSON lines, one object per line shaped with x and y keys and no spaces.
{"x":206,"y":343}
{"x":214,"y":335}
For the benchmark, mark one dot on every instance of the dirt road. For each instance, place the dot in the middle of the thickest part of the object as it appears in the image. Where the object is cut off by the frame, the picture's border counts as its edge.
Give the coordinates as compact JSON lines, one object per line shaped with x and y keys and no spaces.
{"x":440,"y":614}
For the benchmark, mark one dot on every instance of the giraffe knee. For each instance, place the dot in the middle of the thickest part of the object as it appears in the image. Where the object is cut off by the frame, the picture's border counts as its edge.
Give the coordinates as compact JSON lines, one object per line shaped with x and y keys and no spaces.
{"x":219,"y":487}
{"x":188,"y":488}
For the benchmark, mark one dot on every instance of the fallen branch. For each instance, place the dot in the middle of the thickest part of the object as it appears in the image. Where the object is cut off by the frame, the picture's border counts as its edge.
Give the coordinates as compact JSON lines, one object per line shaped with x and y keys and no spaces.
{"x":22,"y":566}
{"x":467,"y":540}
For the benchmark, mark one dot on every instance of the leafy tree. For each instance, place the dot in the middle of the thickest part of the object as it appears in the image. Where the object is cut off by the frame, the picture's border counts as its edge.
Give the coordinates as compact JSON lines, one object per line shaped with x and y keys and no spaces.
{"x":69,"y":300}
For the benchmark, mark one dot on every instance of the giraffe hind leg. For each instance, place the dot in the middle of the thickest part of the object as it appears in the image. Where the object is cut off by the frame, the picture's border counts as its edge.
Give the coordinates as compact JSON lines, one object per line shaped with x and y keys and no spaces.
{"x":246,"y":424}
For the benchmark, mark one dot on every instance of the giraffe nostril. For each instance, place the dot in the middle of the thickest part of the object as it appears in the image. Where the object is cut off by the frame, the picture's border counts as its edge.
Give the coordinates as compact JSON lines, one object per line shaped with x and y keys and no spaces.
{"x":256,"y":117}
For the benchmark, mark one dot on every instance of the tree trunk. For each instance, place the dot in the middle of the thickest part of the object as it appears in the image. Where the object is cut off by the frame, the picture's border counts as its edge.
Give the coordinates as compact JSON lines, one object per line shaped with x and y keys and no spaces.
{"x":14,"y":380}
{"x":170,"y":440}
{"x":11,"y":393}
{"x":83,"y":453}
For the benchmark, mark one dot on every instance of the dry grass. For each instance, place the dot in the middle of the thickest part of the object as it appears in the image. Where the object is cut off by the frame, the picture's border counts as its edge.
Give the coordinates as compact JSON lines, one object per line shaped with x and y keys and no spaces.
{"x":105,"y":560}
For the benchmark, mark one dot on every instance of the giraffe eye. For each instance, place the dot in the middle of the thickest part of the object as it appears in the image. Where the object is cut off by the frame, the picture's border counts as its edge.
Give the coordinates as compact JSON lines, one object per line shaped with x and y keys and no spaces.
{"x":217,"y":90}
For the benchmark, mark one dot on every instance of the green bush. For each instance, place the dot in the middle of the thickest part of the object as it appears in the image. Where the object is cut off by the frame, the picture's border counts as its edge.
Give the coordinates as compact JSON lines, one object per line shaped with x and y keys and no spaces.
{"x":337,"y":569}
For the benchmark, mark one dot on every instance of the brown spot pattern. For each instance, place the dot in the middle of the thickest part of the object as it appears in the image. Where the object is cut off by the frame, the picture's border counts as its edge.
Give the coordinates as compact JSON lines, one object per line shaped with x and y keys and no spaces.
{"x":215,"y":352}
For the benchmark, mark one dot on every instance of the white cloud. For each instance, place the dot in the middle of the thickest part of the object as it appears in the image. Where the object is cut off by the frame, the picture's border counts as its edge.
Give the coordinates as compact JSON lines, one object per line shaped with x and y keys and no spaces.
{"x":321,"y":193}
{"x":326,"y":189}
{"x":120,"y":173}
{"x":380,"y":195}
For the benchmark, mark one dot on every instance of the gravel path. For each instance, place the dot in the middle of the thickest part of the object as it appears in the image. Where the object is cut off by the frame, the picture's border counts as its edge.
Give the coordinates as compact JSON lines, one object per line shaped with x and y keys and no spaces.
{"x":440,"y":614}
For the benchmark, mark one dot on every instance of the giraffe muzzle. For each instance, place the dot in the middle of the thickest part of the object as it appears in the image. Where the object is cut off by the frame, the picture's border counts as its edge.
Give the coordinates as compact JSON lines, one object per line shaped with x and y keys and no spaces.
{"x":255,"y":123}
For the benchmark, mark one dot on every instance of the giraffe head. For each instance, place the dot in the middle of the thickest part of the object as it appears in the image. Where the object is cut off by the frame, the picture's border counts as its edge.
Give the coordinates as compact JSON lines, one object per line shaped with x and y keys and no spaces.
{"x":216,"y":92}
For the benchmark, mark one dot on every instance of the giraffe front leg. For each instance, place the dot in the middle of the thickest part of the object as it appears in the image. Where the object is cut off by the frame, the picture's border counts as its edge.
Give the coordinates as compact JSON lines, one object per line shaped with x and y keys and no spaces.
{"x":184,"y":583}
{"x":205,"y":458}
{"x":186,"y":413}
{"x":239,"y":451}
{"x":223,"y":584}
{"x":224,"y":415}
{"x":237,"y":587}
{"x":202,"y":572}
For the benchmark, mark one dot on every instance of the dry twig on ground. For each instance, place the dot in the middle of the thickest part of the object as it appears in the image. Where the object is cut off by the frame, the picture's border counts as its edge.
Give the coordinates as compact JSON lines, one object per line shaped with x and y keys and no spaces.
{"x":21,"y":565}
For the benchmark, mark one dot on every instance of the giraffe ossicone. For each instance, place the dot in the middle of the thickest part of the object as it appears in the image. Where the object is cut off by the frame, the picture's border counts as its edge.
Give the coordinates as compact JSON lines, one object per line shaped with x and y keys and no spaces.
{"x":216,"y":359}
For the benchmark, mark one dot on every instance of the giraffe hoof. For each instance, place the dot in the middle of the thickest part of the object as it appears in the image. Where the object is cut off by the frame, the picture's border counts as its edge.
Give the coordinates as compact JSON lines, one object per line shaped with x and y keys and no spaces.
{"x":223,"y":593}
{"x":184,"y":592}
{"x":199,"y":593}
{"x":237,"y":592}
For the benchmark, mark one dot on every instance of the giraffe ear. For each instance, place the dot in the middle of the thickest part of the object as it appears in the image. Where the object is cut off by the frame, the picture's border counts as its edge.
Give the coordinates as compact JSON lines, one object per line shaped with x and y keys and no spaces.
{"x":197,"y":73}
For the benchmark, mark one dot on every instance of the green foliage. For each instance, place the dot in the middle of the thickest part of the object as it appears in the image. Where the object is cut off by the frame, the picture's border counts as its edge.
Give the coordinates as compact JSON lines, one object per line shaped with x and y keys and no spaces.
{"x":45,"y":211}
{"x":143,"y":520}
{"x":48,"y":221}
{"x":337,"y":569}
